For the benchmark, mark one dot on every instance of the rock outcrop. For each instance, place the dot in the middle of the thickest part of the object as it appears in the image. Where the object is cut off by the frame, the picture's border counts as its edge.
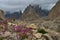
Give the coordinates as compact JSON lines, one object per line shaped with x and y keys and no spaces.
{"x":1,"y":14}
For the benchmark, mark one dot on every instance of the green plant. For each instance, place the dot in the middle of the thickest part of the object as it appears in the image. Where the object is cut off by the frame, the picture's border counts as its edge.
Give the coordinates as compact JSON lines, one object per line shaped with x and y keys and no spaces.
{"x":42,"y":31}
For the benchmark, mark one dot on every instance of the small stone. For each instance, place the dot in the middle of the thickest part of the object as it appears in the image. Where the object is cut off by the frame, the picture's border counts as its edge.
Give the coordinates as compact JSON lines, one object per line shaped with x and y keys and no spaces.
{"x":6,"y":34}
{"x":38,"y":35}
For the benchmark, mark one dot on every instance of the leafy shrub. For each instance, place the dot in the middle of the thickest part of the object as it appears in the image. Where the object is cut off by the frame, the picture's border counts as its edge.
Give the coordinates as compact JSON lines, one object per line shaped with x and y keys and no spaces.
{"x":42,"y":31}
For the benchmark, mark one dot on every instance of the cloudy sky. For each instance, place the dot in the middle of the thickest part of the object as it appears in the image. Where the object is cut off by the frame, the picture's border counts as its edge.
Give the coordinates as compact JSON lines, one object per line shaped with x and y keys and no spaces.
{"x":14,"y":5}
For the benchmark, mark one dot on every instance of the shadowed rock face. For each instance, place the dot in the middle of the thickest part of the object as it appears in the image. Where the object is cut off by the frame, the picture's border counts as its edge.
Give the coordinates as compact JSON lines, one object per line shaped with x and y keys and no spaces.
{"x":1,"y":14}
{"x":55,"y":12}
{"x":29,"y":14}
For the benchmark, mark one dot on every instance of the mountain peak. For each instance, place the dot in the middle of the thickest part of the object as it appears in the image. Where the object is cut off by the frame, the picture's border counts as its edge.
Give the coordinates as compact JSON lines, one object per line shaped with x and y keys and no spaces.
{"x":30,"y":14}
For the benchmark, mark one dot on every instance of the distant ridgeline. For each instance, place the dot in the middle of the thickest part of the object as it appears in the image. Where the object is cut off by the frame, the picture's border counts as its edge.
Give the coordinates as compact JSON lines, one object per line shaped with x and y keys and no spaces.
{"x":36,"y":8}
{"x":14,"y":15}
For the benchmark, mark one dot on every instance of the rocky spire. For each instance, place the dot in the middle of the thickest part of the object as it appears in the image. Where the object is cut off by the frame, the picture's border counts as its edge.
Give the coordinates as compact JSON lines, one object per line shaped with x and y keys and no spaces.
{"x":30,"y":14}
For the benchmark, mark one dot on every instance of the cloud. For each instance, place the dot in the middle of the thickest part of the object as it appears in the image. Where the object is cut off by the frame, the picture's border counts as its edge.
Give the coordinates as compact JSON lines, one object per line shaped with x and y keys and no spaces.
{"x":13,"y":5}
{"x":46,"y":4}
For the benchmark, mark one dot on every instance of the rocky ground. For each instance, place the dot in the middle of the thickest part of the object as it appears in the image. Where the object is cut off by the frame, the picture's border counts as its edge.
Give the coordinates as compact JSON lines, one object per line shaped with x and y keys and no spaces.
{"x":50,"y":26}
{"x":42,"y":29}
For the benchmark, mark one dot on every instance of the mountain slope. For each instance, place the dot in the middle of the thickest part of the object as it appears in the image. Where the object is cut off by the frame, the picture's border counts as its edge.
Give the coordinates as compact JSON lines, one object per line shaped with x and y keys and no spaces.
{"x":55,"y":12}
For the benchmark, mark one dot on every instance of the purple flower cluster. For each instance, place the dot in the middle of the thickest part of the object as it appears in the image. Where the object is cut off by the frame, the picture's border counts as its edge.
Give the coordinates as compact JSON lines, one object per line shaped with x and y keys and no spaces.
{"x":20,"y":30}
{"x":23,"y":31}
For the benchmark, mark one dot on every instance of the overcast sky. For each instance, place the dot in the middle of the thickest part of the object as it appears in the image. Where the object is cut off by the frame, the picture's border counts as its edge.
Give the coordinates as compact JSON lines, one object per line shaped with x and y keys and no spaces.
{"x":13,"y":5}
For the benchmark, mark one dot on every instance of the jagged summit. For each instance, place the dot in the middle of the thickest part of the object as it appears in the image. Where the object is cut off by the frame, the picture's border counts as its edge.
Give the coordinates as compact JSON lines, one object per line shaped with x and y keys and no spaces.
{"x":30,"y":14}
{"x":55,"y":12}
